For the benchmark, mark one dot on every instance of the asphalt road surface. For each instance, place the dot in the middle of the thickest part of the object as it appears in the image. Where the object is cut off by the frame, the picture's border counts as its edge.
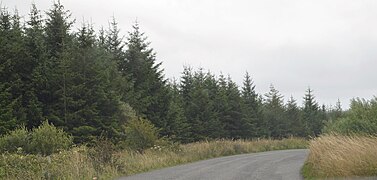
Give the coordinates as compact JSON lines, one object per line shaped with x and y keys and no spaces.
{"x":270,"y":165}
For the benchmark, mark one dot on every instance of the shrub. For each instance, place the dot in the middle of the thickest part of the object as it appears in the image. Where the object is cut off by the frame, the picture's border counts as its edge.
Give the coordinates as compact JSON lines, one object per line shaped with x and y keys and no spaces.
{"x":140,"y":134}
{"x":47,"y":139}
{"x":15,"y":141}
{"x":361,"y":119}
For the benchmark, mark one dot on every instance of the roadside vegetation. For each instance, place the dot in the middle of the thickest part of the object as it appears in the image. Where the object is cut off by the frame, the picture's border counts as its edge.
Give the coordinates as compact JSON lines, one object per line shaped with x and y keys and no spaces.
{"x":348,"y":147}
{"x":104,"y":160}
{"x":337,"y":155}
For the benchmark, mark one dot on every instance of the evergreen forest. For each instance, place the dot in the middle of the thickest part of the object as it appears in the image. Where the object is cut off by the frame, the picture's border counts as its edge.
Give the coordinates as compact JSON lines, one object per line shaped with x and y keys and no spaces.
{"x":91,"y":83}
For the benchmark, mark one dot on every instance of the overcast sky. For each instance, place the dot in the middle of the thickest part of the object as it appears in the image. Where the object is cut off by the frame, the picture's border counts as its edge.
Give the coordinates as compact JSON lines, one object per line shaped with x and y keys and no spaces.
{"x":330,"y":46}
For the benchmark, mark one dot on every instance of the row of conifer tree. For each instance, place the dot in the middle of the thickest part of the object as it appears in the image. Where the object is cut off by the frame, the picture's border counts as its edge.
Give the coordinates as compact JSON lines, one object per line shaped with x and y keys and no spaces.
{"x":86,"y":83}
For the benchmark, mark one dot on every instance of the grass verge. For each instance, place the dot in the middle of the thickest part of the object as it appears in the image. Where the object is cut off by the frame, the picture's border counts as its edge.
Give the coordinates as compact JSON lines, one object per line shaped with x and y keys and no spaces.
{"x":334,"y":156}
{"x":85,"y":163}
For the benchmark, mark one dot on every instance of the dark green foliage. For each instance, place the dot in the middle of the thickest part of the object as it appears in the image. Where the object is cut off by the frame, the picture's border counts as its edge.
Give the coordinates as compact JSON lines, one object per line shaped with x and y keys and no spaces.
{"x":360,"y":118}
{"x":36,"y":48}
{"x":177,"y":127}
{"x":47,"y":72}
{"x":151,"y":97}
{"x":57,"y":29}
{"x":311,"y":115}
{"x":251,"y":108}
{"x":7,"y":119}
{"x":115,"y":45}
{"x":273,"y":112}
{"x":234,"y":125}
{"x":16,"y":96}
{"x":93,"y":85}
{"x":199,"y":92}
{"x":295,"y":125}
{"x":92,"y":98}
{"x":59,"y":55}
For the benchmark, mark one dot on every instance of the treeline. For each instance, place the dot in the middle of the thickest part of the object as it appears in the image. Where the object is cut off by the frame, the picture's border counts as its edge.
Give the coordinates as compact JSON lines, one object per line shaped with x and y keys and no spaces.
{"x":89,"y":83}
{"x":218,"y":108}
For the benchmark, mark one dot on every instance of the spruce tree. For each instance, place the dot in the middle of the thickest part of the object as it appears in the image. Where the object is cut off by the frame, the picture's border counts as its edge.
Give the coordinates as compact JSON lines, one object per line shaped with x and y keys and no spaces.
{"x":115,"y":45}
{"x":311,"y":114}
{"x":177,"y":126}
{"x":113,"y":42}
{"x":36,"y":49}
{"x":198,"y":90}
{"x":273,"y":114}
{"x":15,"y":71}
{"x":59,"y":55}
{"x":238,"y":127}
{"x":93,"y":95}
{"x":222,"y":105}
{"x":251,"y":107}
{"x":228,"y":106}
{"x":186,"y":86}
{"x":214,"y":128}
{"x":337,"y":112}
{"x":151,"y":92}
{"x":294,"y":124}
{"x":7,"y":119}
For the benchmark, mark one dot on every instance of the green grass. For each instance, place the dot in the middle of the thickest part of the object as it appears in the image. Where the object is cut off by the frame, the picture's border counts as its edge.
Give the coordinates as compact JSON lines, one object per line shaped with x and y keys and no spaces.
{"x":86,"y":163}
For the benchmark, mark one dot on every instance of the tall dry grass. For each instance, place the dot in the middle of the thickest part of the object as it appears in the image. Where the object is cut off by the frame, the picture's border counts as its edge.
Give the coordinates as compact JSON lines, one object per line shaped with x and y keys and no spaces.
{"x":341,"y":156}
{"x":85,"y":163}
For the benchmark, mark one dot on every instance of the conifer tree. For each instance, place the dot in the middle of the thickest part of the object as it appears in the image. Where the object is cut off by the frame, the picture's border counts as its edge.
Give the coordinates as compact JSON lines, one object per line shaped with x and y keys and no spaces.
{"x":113,"y":42}
{"x":251,"y":107}
{"x":237,"y":126}
{"x":273,"y":113}
{"x":295,"y":126}
{"x":199,"y":90}
{"x":214,"y":128}
{"x":151,"y":92}
{"x":222,"y":105}
{"x":186,"y":86}
{"x":58,"y":43}
{"x":94,"y":97}
{"x":228,"y":106}
{"x":115,"y":45}
{"x":36,"y":49}
{"x":311,"y":115}
{"x":7,"y":119}
{"x":337,"y":112}
{"x":14,"y":71}
{"x":177,"y":126}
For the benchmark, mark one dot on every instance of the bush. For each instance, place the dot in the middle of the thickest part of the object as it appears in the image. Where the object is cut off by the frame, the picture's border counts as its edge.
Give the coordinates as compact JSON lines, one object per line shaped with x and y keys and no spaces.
{"x":15,"y":141}
{"x":360,"y":119}
{"x":44,"y":140}
{"x":47,"y":139}
{"x":140,"y":134}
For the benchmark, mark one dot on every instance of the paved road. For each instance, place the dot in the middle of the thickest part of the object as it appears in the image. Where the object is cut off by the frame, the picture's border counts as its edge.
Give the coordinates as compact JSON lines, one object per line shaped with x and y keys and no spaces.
{"x":271,"y":165}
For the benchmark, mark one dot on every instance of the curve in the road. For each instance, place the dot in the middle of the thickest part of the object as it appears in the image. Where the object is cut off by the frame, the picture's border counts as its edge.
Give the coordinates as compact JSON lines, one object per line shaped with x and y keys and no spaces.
{"x":280,"y":165}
